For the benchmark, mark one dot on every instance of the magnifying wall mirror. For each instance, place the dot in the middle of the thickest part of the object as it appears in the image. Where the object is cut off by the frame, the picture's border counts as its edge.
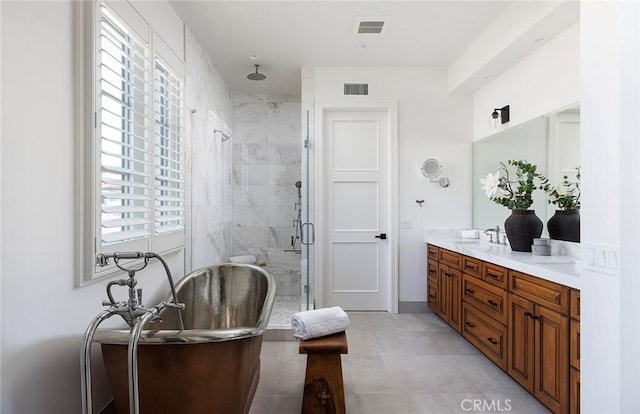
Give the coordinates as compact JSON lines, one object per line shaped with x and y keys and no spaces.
{"x":431,"y":169}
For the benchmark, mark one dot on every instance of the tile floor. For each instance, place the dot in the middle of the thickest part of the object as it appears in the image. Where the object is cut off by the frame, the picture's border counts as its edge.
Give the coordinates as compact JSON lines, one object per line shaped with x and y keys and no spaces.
{"x":397,"y":364}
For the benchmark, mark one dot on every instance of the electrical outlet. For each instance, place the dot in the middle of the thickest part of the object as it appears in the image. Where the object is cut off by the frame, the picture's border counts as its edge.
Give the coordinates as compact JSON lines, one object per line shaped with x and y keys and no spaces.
{"x":601,"y":258}
{"x":405,"y":223}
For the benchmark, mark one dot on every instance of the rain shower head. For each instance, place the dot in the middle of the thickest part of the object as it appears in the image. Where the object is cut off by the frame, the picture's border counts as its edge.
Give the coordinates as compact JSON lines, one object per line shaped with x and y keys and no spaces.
{"x":257,"y":76}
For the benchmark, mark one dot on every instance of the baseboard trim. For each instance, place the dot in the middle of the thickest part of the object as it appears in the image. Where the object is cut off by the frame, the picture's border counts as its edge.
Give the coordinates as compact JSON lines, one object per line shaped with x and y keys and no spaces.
{"x":413,"y":307}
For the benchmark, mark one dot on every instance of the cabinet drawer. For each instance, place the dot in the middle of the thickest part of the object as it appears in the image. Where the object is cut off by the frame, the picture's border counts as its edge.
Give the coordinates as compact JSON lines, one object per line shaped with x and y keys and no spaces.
{"x":575,"y":304}
{"x":489,"y":336}
{"x":574,"y":343}
{"x":432,"y":270}
{"x":450,"y":258}
{"x":487,"y":298}
{"x":471,"y":266}
{"x":494,"y":274}
{"x":542,"y":292}
{"x":432,"y":296}
{"x":432,"y":252}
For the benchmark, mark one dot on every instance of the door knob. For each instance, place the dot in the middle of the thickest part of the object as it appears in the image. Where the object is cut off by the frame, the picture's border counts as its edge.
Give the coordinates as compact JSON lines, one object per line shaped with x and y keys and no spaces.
{"x":381,"y":236}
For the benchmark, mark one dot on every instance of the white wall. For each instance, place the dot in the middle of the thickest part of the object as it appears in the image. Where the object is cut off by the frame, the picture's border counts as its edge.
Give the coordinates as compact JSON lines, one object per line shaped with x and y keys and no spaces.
{"x":43,"y":316}
{"x":610,"y":50}
{"x":544,"y":81}
{"x":211,"y":159}
{"x":431,"y":124}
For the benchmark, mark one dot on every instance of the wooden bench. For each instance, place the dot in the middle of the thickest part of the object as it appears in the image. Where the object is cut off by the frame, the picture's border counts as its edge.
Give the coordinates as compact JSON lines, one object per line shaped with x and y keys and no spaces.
{"x":323,"y":386}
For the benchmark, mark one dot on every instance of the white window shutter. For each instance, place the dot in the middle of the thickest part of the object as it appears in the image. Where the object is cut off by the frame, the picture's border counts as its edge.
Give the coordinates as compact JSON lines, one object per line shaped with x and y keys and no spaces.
{"x":124,"y":109}
{"x":169,"y":151}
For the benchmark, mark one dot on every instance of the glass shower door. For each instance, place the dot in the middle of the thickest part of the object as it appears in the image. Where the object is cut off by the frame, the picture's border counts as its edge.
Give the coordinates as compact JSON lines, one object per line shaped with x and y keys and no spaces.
{"x":308,"y":230}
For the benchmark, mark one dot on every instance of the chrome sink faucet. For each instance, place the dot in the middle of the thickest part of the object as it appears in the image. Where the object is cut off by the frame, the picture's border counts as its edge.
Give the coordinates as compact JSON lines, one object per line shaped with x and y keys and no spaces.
{"x":491,"y":232}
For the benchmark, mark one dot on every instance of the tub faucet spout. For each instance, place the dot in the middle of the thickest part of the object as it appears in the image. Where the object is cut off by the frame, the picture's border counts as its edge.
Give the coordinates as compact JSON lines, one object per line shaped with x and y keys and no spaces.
{"x":133,"y":308}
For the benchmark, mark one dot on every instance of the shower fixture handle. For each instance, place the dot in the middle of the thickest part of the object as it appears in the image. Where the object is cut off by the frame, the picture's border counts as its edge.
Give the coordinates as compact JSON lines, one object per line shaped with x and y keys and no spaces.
{"x":313,"y":234}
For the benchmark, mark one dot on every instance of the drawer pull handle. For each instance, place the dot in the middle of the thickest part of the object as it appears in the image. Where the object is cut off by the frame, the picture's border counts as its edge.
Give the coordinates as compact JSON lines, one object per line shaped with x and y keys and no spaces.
{"x":470,"y":291}
{"x":535,"y":318}
{"x":493,"y":341}
{"x":491,"y":275}
{"x":448,"y":275}
{"x":470,"y":325}
{"x":432,"y":296}
{"x":492,"y":302}
{"x":468,"y":266}
{"x":528,"y":314}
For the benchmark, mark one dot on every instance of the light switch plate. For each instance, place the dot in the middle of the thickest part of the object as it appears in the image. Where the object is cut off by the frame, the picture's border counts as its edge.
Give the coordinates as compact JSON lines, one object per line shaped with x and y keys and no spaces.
{"x":603,"y":258}
{"x":405,"y":223}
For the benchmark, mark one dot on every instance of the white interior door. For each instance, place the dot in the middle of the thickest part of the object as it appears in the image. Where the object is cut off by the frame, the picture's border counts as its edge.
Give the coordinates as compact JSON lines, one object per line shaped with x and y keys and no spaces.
{"x":357,"y":258}
{"x":564,"y":149}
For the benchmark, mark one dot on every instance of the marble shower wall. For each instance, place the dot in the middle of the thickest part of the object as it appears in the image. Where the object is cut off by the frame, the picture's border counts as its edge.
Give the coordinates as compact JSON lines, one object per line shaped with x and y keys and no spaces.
{"x":210,"y":159}
{"x":266,"y":165}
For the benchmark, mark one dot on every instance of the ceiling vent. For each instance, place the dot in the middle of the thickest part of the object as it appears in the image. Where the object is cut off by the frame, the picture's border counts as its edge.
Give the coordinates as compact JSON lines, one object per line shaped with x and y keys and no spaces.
{"x":371,"y":25}
{"x":356,"y":89}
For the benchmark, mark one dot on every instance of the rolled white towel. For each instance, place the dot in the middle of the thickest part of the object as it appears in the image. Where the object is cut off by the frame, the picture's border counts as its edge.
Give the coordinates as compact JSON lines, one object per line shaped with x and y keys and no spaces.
{"x":247,"y":259}
{"x":319,"y":322}
{"x":470,"y":234}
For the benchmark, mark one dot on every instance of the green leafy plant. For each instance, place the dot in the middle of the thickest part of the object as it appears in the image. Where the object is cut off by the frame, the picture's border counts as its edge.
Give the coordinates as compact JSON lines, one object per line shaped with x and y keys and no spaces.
{"x":567,"y":195}
{"x":514,"y":194}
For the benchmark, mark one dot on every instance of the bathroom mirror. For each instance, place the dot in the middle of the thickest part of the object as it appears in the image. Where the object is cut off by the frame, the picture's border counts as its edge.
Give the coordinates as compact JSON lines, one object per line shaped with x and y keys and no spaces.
{"x":552,"y":142}
{"x":431,"y":168}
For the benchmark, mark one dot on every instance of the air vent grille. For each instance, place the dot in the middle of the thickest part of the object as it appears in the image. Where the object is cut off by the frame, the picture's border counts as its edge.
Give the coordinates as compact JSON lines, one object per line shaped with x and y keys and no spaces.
{"x":370,"y":27}
{"x":356,"y":89}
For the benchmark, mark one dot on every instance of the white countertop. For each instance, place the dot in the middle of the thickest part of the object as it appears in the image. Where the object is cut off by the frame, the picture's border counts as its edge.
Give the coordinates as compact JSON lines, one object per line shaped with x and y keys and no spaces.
{"x":562,"y":269}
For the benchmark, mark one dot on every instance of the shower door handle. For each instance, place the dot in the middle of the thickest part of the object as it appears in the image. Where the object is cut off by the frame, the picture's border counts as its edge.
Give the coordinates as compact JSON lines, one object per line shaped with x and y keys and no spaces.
{"x":313,"y":234}
{"x":381,"y":236}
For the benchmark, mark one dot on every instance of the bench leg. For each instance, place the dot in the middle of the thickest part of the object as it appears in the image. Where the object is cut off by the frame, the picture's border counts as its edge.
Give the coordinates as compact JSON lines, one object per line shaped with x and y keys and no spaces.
{"x":323,"y":386}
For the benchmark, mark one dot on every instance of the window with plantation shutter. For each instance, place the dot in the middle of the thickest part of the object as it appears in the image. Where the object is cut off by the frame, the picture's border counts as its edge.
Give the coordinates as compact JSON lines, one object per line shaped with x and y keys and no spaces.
{"x":169,"y":156}
{"x":130,"y":145}
{"x":124,"y":74}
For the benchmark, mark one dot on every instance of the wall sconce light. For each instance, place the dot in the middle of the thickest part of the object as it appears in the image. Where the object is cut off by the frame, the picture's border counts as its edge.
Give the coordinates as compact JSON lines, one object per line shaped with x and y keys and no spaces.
{"x":501,"y":117}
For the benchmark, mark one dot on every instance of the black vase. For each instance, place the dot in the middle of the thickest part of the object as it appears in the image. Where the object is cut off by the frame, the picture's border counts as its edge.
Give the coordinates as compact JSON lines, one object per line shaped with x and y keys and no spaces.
{"x":565,"y":225}
{"x":522,"y":226}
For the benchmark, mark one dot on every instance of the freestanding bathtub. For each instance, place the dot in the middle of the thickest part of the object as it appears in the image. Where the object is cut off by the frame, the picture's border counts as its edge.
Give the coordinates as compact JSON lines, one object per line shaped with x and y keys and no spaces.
{"x":213,"y":365}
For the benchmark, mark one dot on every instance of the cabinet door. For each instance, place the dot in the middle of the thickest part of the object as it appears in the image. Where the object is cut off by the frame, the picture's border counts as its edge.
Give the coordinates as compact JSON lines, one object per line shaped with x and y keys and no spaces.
{"x":449,"y":288}
{"x":444,"y":300}
{"x":552,"y":363}
{"x":521,"y":335}
{"x":455,"y":298}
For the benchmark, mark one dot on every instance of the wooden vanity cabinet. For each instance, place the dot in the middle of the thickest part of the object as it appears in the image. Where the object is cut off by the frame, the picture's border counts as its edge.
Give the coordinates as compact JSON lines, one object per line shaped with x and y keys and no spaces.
{"x":538,"y":349}
{"x":528,"y":326}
